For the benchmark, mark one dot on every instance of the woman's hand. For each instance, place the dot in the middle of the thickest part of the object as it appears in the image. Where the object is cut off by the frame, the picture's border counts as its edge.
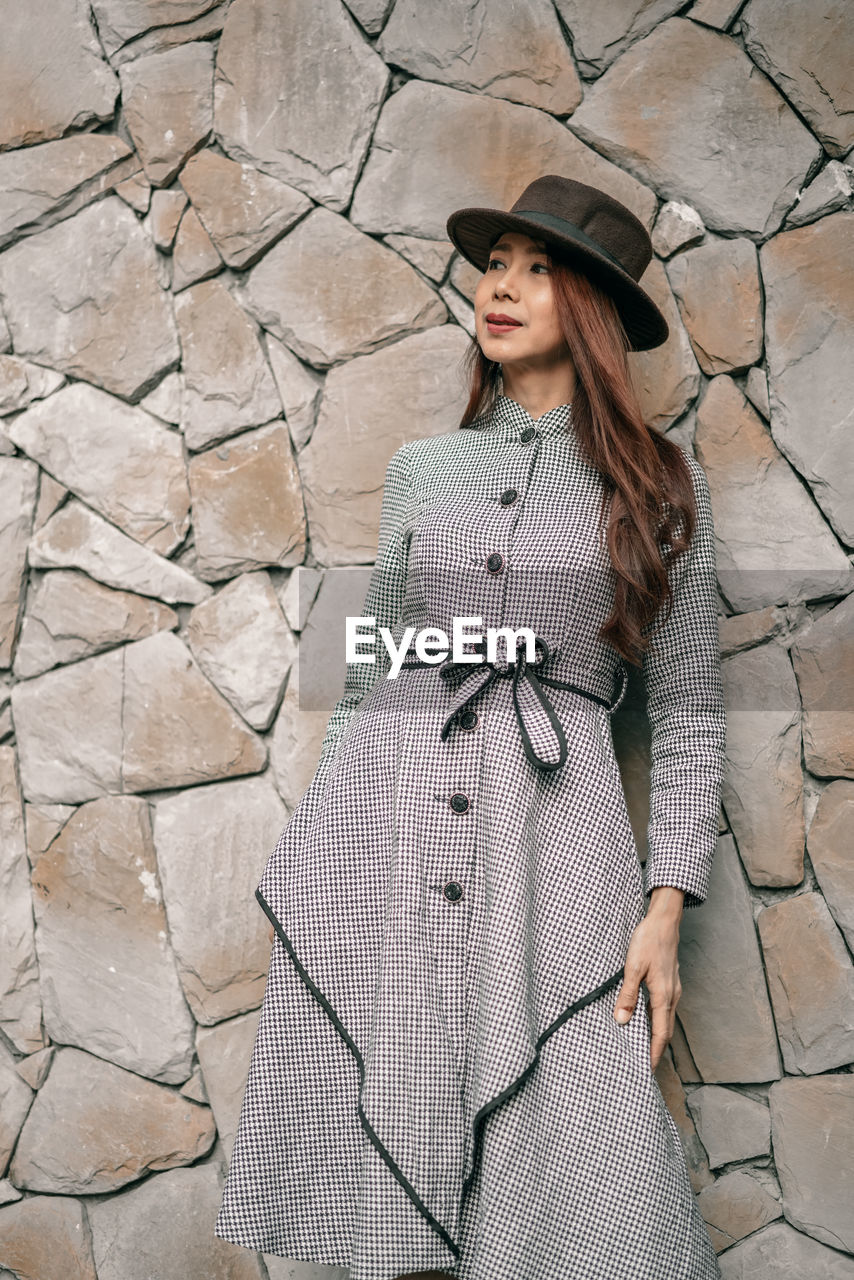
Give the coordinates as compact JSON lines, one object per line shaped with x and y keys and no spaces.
{"x":652,"y":956}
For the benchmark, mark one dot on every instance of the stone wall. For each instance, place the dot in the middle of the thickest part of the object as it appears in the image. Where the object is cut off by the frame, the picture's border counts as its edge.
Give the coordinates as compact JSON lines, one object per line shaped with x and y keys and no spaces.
{"x":222,"y":270}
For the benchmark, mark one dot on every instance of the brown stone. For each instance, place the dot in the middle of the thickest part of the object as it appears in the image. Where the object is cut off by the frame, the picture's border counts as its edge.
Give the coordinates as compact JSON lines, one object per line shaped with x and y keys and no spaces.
{"x":247,"y":504}
{"x":667,"y":378}
{"x":809,"y":321}
{"x":732,"y":1126}
{"x":812,"y":1131}
{"x":804,"y":953}
{"x":272,"y":56}
{"x":120,"y":21}
{"x":168,"y":106}
{"x":717,"y":287}
{"x":601,"y":32}
{"x":371,"y":298}
{"x":166,"y":210}
{"x":824,"y":665}
{"x":242,"y":210}
{"x":735,"y":1205}
{"x":18,"y":488}
{"x":46,"y":1238}
{"x":194,"y":257}
{"x":780,"y":1250}
{"x":478,"y":151}
{"x":101,"y":267}
{"x":806,"y":50}
{"x":653,"y":113}
{"x":95,"y":1127}
{"x":518,"y":53}
{"x":830,"y":849}
{"x":52,"y":74}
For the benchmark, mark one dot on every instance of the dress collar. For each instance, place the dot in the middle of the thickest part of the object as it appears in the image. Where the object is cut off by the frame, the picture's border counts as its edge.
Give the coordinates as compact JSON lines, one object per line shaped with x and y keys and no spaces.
{"x":509,"y":419}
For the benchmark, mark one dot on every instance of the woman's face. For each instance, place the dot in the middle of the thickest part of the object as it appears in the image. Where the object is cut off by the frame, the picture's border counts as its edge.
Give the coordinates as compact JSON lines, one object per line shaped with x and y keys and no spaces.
{"x":517,"y":284}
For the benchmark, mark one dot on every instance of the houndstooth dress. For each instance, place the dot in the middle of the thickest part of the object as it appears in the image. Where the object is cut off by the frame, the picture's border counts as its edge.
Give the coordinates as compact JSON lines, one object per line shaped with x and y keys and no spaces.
{"x":438,"y":1080}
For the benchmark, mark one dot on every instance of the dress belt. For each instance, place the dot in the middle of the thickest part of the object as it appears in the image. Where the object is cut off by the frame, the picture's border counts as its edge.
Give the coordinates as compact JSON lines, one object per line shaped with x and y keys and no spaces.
{"x":520,"y":670}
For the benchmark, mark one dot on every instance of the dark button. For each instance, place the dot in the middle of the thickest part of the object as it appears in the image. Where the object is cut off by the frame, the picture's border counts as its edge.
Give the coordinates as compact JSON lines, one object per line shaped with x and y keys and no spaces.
{"x":469,"y":720}
{"x":508,"y":497}
{"x":527,"y":434}
{"x":459,"y":802}
{"x":453,"y":891}
{"x":495,"y":562}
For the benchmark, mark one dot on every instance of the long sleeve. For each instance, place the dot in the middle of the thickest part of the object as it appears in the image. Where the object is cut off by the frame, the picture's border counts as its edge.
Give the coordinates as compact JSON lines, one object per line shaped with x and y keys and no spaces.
{"x":686,"y":712}
{"x":384,"y":598}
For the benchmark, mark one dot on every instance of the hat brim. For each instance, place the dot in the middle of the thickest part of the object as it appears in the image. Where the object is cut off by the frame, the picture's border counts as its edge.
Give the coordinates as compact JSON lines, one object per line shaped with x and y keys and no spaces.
{"x":474,"y":231}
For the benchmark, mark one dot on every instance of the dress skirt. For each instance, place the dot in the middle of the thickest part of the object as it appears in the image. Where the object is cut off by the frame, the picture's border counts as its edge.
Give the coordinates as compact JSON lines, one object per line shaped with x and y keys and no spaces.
{"x":579,"y":1174}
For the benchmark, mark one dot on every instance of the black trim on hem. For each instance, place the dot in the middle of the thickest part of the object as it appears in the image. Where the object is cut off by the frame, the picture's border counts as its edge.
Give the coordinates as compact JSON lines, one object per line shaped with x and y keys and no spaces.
{"x":481,"y":1116}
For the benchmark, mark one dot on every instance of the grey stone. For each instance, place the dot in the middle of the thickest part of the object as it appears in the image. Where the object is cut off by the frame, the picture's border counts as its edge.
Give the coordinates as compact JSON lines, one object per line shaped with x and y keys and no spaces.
{"x":244,"y":646}
{"x":120,"y":21}
{"x":809,"y":321}
{"x":478,"y":151}
{"x":242,"y":210}
{"x":804,"y":953}
{"x":272,"y":56}
{"x":52,"y":494}
{"x":194,"y":257}
{"x":731,"y":1125}
{"x":670,"y":136}
{"x":715,"y":13}
{"x":8,"y":1193}
{"x":373,"y":297}
{"x":113,"y":456}
{"x":673,"y":1093}
{"x":824,"y":665}
{"x":812,"y":1131}
{"x":178,"y":729}
{"x":34,"y":1068}
{"x":18,"y":488}
{"x":227,"y":382}
{"x":806,"y":50}
{"x":370,"y":14}
{"x":756,"y":390}
{"x":135,"y":191}
{"x":20,"y":996}
{"x":773,"y":547}
{"x":298,"y":594}
{"x":79,"y":88}
{"x":212,"y":845}
{"x":300,"y":388}
{"x":108,"y":977}
{"x":831,"y":190}
{"x":676,"y":227}
{"x":224,"y":1054}
{"x":513,"y":52}
{"x":830,"y":849}
{"x":183,"y":1204}
{"x":343,"y":486}
{"x":247,"y":504}
{"x":717,"y":286}
{"x":21,"y":382}
{"x":430,"y":256}
{"x":723,"y":981}
{"x":37,"y":182}
{"x":70,"y":615}
{"x":95,"y":1127}
{"x":763,"y":787}
{"x":15,"y":1100}
{"x":101,"y":266}
{"x":168,"y":106}
{"x":160,"y":724}
{"x":165,"y":400}
{"x":735,"y":1205}
{"x":601,"y":32}
{"x":462,"y":311}
{"x":44,"y":823}
{"x":67,"y":754}
{"x":75,"y":537}
{"x":778,"y":1252}
{"x":166,"y":210}
{"x":157,"y":39}
{"x":46,"y":1238}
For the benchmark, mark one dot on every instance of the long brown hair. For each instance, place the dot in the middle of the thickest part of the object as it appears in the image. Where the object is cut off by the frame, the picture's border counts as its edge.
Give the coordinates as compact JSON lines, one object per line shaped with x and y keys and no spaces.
{"x":652,"y":505}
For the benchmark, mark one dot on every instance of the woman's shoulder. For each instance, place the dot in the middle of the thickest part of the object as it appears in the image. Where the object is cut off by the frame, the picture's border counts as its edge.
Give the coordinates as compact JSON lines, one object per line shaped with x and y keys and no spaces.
{"x":425,"y":451}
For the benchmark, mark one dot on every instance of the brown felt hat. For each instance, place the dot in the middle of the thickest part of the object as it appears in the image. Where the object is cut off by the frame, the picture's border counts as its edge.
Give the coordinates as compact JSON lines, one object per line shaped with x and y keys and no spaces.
{"x":591,"y":230}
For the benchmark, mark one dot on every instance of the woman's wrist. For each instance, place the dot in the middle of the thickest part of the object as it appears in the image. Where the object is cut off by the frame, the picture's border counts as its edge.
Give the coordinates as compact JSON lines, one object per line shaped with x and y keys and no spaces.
{"x":666,"y":902}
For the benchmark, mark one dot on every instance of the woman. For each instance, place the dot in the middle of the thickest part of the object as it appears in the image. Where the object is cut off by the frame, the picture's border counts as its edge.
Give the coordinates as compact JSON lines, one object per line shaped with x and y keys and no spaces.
{"x":453,"y":1072}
